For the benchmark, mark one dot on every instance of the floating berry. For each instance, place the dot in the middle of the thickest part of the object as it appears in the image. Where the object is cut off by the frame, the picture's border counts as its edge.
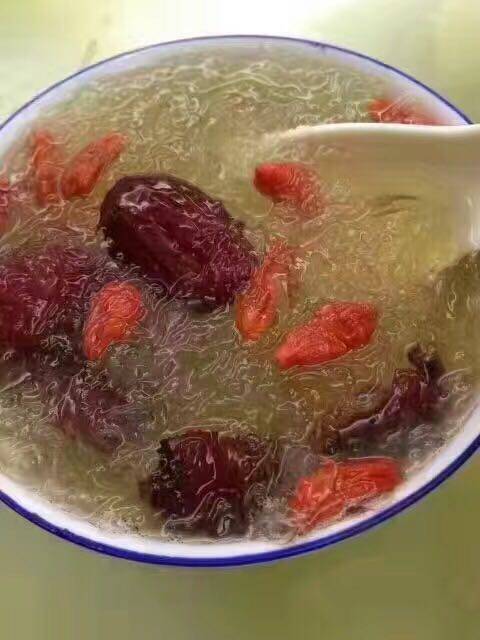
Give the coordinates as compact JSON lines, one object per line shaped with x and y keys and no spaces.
{"x":257,"y":308}
{"x":84,"y":170}
{"x":115,"y":312}
{"x":292,"y":183}
{"x":397,"y":111}
{"x":338,"y":487}
{"x":335,"y":329}
{"x":48,"y":162}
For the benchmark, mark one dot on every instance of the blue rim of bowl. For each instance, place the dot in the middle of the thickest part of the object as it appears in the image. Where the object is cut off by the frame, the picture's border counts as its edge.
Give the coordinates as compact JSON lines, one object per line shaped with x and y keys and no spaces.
{"x":281,"y":552}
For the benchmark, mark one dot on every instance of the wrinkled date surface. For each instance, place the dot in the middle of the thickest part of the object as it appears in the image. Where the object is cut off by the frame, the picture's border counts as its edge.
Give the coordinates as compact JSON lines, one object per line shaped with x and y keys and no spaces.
{"x":4,"y":204}
{"x":84,"y":169}
{"x":83,"y":407}
{"x":292,"y":183}
{"x":257,"y":309}
{"x":416,"y":395}
{"x":339,"y":487}
{"x":115,"y":312}
{"x":47,"y":291}
{"x":181,"y":238}
{"x":211,"y":482}
{"x":334,"y":330}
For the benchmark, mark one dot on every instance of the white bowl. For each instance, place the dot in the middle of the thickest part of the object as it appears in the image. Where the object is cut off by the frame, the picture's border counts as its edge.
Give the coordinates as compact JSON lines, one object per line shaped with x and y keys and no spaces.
{"x":41,"y":512}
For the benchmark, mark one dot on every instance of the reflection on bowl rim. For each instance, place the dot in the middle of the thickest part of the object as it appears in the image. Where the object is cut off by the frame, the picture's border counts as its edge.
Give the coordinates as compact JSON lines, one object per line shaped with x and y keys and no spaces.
{"x":220,"y":554}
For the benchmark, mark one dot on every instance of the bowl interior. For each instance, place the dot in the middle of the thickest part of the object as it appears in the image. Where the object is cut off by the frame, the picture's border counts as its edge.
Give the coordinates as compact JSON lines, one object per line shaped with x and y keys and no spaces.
{"x":135,"y":546}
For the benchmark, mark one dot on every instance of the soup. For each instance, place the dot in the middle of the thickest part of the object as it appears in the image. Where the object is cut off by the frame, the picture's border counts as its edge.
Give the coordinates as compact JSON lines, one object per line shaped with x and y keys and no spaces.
{"x":203,"y":335}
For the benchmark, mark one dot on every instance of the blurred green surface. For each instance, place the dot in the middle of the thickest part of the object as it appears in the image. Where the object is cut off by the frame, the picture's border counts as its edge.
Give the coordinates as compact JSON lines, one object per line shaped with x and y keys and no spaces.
{"x":415,"y":578}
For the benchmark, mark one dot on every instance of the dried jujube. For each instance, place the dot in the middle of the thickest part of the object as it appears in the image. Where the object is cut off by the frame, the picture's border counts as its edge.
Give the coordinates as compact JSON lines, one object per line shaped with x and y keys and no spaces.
{"x":180,"y":237}
{"x":209,"y":482}
{"x":47,"y":291}
{"x":416,"y":396}
{"x":81,"y":405}
{"x":5,"y":192}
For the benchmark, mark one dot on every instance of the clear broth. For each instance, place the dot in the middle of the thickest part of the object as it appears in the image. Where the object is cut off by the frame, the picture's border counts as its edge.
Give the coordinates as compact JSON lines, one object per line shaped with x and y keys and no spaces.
{"x":200,"y":116}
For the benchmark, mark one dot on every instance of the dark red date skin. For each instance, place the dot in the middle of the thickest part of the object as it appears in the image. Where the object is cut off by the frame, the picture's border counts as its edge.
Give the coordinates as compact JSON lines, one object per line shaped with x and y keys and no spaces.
{"x":209,"y":482}
{"x":47,"y":291}
{"x":416,"y":396}
{"x":81,"y":403}
{"x":180,"y":238}
{"x":101,"y":416}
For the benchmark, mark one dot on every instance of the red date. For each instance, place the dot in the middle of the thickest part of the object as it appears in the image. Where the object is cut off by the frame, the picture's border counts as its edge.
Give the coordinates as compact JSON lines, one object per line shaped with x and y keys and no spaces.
{"x":47,"y":291}
{"x":211,"y":482}
{"x":4,"y":204}
{"x":416,"y":395}
{"x":181,"y":238}
{"x":82,"y":406}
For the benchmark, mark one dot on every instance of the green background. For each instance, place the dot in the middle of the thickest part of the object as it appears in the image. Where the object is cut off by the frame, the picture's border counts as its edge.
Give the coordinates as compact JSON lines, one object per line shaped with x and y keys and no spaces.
{"x":415,"y":578}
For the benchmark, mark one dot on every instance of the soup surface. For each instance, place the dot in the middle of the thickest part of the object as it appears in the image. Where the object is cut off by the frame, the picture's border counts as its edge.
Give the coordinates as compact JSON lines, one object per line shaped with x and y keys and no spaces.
{"x":203,"y":334}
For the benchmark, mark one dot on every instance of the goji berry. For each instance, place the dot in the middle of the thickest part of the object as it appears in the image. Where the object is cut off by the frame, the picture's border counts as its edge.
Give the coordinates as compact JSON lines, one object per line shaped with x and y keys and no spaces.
{"x":337,"y":487}
{"x":363,"y":479}
{"x":83,"y":171}
{"x":334,"y":330}
{"x":115,"y":312}
{"x":257,"y":308}
{"x":292,"y":183}
{"x":47,"y":160}
{"x":397,"y":111}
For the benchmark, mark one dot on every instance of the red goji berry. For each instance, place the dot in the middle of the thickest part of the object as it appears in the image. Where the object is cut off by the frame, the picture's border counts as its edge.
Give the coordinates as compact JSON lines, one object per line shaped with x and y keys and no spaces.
{"x":114,"y":314}
{"x":363,"y":479}
{"x":293,"y":183}
{"x":47,"y":160}
{"x":384,"y":110}
{"x":84,"y":170}
{"x":257,"y":308}
{"x":334,"y":330}
{"x":337,"y":487}
{"x":353,"y":323}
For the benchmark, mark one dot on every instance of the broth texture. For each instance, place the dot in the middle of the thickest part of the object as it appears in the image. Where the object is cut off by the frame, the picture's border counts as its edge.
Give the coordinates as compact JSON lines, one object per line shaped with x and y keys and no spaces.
{"x":200,"y":115}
